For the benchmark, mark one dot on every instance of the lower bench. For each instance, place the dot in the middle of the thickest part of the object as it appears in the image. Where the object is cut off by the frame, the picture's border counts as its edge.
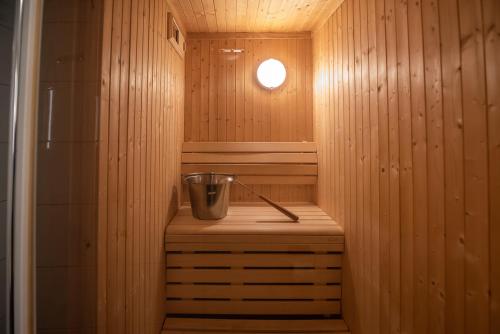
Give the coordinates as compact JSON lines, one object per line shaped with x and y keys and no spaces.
{"x":254,"y":262}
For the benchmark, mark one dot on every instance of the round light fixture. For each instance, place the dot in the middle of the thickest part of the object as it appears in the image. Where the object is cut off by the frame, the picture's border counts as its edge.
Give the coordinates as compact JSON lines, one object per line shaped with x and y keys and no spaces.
{"x":271,"y":73}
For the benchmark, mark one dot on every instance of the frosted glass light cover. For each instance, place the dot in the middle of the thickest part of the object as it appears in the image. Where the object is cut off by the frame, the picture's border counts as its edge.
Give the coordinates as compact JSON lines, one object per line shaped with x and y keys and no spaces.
{"x":271,"y":73}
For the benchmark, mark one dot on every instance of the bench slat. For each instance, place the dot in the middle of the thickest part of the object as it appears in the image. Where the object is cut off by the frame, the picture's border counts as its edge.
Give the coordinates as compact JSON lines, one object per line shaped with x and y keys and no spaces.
{"x":252,"y":169}
{"x":256,"y":326}
{"x":252,"y":307}
{"x":269,"y":276}
{"x":234,"y":291}
{"x":267,"y":260}
{"x":214,"y":147}
{"x":257,"y":158}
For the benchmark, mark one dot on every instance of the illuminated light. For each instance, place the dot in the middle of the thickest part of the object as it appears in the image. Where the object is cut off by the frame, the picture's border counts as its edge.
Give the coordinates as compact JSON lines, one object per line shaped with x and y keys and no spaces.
{"x":271,"y":73}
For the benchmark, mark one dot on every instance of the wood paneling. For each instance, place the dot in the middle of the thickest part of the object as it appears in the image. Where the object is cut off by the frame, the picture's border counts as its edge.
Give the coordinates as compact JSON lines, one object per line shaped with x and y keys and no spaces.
{"x":407,"y":124}
{"x":139,"y":163}
{"x":225,"y":103}
{"x":253,"y":15}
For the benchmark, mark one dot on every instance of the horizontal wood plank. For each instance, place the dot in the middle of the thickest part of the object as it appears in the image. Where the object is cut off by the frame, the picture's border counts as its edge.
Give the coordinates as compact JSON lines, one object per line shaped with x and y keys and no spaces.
{"x":245,"y":247}
{"x":245,"y":158}
{"x":320,"y":276}
{"x":266,"y":218}
{"x":248,"y":147}
{"x":252,"y":307}
{"x":276,"y":179}
{"x":263,"y":208}
{"x":258,"y":326}
{"x":252,"y":169}
{"x":234,"y":237}
{"x":263,"y":227}
{"x":191,"y":291}
{"x":254,"y":260}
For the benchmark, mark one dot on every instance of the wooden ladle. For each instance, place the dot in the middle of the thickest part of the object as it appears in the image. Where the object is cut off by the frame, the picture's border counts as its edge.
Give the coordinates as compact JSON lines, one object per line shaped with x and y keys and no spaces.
{"x":278,"y":207}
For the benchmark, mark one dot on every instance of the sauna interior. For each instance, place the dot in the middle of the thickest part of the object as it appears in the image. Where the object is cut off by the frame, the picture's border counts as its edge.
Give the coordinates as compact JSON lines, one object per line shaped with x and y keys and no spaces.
{"x":383,"y":137}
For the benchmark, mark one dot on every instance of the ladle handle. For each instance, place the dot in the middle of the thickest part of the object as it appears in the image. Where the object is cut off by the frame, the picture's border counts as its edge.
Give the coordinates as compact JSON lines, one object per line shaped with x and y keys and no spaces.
{"x":289,"y":214}
{"x":281,"y":209}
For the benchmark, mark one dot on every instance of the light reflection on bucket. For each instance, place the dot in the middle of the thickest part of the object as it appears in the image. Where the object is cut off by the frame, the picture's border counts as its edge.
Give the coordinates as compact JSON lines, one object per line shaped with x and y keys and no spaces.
{"x":209,"y":194}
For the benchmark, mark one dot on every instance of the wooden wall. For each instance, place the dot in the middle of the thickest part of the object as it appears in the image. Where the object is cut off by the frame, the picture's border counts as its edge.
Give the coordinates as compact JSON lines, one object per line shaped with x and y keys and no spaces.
{"x":139,"y":173}
{"x":406,"y":98}
{"x":224,"y":101}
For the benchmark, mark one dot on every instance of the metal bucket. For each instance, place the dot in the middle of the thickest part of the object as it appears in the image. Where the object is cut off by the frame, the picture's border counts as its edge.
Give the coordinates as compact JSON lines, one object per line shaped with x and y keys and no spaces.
{"x":209,"y":194}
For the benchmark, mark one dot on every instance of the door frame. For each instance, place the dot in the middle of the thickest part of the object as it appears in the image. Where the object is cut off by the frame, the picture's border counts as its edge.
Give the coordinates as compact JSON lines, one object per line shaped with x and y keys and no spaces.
{"x":21,"y":192}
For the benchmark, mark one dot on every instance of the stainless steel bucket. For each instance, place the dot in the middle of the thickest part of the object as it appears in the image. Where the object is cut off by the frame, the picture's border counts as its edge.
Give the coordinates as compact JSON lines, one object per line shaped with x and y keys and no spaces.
{"x":209,"y":194}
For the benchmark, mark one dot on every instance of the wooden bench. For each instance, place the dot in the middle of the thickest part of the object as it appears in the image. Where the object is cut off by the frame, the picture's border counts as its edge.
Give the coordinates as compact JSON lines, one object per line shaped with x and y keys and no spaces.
{"x":254,"y":262}
{"x":255,"y":163}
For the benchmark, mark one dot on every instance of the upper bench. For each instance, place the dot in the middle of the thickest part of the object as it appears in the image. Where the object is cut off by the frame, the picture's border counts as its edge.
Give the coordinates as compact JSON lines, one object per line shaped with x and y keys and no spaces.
{"x":254,"y":162}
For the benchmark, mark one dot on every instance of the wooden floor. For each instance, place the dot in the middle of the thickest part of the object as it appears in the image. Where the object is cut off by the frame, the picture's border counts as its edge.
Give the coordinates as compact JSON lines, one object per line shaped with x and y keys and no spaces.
{"x":197,"y":325}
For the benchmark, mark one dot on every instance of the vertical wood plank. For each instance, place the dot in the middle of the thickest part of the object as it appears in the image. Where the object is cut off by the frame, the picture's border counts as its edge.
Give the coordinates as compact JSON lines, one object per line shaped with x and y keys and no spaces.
{"x":144,"y":172}
{"x":454,"y":161}
{"x":384,"y":165}
{"x":230,"y":92}
{"x":221,"y":94}
{"x":112,"y":242}
{"x":137,"y":246}
{"x":240,"y":92}
{"x":248,"y":96}
{"x":406,"y":167}
{"x":475,"y":167}
{"x":365,"y":157}
{"x":419,"y":162}
{"x":196,"y":82}
{"x":491,"y":31}
{"x":188,"y":124}
{"x":394,"y":169}
{"x":205,"y":90}
{"x":212,"y":94}
{"x":309,"y":85}
{"x":374,"y":281}
{"x":102,"y":216}
{"x":435,"y":164}
{"x":129,"y":241}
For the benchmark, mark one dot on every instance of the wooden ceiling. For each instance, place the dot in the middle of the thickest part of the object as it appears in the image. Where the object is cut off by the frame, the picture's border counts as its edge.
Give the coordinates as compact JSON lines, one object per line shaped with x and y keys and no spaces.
{"x":252,"y":15}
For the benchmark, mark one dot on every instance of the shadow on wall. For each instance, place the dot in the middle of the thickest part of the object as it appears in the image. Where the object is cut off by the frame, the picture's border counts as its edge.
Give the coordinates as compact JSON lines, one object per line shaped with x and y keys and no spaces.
{"x":174,"y":204}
